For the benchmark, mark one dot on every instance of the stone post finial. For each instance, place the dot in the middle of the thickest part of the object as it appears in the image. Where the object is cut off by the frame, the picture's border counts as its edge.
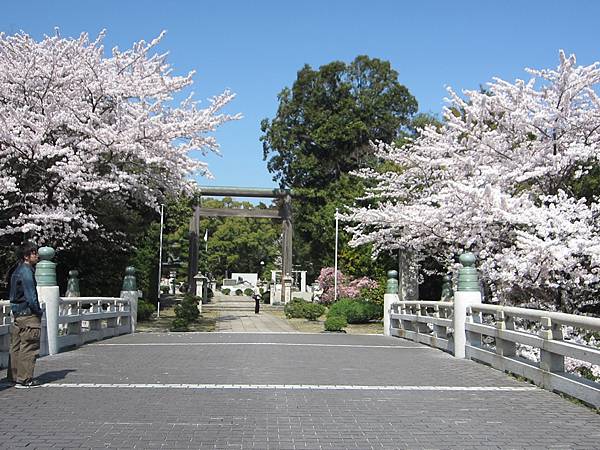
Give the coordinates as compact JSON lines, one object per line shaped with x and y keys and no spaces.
{"x":391,"y":286}
{"x":129,"y":282}
{"x":73,"y":284}
{"x":468,"y":280}
{"x":467,"y":294}
{"x":49,"y":297}
{"x":447,"y":291}
{"x":45,"y":270}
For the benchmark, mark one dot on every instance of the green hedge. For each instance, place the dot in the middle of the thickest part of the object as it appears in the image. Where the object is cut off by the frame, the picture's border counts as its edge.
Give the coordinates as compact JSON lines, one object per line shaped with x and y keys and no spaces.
{"x":335,"y":323}
{"x":226,"y":291}
{"x":356,"y":311}
{"x":299,"y":308}
{"x":145,"y":310}
{"x":238,"y":292}
{"x":312,"y":311}
{"x":188,"y":309}
{"x":179,"y":325}
{"x":294,"y":309}
{"x":248,"y":291}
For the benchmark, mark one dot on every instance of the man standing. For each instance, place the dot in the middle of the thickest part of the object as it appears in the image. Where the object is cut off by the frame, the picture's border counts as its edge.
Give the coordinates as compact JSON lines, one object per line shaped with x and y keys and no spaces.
{"x":27,"y":316}
{"x":256,"y":298}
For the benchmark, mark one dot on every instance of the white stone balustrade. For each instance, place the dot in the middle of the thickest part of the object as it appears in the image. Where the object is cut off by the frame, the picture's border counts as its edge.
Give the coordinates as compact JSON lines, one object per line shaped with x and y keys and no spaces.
{"x":426,"y":322}
{"x":492,"y":338}
{"x":86,"y":319}
{"x":5,"y":321}
{"x":80,"y":320}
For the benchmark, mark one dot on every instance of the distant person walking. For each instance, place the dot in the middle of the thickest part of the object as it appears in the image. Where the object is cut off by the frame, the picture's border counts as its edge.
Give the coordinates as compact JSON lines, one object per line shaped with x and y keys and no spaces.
{"x":256,"y":298}
{"x":27,"y":317}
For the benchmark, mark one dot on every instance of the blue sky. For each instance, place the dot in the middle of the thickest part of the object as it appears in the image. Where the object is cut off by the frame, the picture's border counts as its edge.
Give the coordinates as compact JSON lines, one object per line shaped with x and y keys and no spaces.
{"x":255,"y":48}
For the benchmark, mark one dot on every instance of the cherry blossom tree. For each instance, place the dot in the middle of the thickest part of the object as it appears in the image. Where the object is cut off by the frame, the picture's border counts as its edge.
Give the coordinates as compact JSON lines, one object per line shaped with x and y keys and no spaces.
{"x":500,"y":178}
{"x":81,"y":129}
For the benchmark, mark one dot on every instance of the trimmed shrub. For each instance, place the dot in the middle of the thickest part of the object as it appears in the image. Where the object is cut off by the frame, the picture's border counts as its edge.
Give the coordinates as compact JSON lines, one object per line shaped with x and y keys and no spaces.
{"x":355,"y":311}
{"x":295,"y":308}
{"x":374,"y":310}
{"x":374,"y":294}
{"x":312,"y":311}
{"x":188,"y":309}
{"x":299,"y":308}
{"x":145,"y":310}
{"x":248,"y":291}
{"x":226,"y":291}
{"x":335,"y":323}
{"x":179,"y":325}
{"x":238,"y":292}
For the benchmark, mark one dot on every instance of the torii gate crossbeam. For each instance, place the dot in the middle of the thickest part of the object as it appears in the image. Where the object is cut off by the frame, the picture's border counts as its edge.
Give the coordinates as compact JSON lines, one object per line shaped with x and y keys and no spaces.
{"x":284,"y":213}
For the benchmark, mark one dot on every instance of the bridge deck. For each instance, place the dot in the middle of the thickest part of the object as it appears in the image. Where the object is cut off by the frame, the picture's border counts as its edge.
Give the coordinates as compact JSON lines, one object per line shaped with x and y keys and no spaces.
{"x":284,"y":391}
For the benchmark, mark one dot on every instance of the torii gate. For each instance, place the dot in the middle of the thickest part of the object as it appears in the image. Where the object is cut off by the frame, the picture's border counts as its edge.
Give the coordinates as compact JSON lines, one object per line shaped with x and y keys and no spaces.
{"x":284,"y":213}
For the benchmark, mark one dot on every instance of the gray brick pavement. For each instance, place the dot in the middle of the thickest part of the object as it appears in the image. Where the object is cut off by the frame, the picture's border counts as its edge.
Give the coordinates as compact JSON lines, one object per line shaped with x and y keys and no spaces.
{"x":236,"y":314}
{"x":120,"y":417}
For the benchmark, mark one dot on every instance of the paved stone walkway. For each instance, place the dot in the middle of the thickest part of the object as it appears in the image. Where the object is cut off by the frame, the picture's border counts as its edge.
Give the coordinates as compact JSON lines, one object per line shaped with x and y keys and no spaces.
{"x":282,"y":391}
{"x":236,"y":314}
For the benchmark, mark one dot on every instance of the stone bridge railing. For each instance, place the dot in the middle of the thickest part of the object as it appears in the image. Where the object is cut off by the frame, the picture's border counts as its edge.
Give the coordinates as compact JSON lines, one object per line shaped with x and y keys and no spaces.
{"x":73,"y":321}
{"x":501,"y":336}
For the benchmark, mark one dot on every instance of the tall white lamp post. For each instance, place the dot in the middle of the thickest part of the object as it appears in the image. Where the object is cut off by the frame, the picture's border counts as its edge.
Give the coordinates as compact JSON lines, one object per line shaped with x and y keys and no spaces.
{"x":160,"y":245}
{"x":335,"y":271}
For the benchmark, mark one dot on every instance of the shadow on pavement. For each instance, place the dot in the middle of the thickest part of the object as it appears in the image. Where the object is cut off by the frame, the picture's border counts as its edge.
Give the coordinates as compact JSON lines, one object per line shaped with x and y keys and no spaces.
{"x":225,"y":318}
{"x":54,"y":375}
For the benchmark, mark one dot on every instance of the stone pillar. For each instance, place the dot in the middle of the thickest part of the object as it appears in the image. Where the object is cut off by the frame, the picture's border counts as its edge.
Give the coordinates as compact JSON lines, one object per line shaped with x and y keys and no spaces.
{"x":201,"y":290}
{"x":130,"y":292}
{"x":172,"y":283}
{"x":286,"y":253}
{"x":286,"y":289}
{"x":73,"y":284}
{"x":198,"y":281}
{"x":303,"y":281}
{"x":49,"y":297}
{"x":193,"y":250}
{"x":408,"y":272}
{"x":467,"y":294}
{"x":390,"y":296}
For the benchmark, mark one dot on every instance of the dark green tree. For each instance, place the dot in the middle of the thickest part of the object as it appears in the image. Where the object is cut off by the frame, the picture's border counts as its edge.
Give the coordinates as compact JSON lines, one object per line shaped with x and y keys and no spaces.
{"x":325,"y":122}
{"x":322,"y":131}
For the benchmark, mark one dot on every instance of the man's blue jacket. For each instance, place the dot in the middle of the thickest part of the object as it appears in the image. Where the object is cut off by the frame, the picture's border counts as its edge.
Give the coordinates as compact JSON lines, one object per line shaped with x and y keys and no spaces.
{"x":23,"y":293}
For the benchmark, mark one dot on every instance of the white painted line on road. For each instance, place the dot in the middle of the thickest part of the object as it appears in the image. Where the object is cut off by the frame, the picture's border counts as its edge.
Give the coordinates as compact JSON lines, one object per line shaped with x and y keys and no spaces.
{"x":194,"y":344}
{"x":320,"y":387}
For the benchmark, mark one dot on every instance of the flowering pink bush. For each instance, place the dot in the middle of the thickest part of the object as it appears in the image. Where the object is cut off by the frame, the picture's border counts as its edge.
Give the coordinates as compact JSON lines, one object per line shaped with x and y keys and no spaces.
{"x":347,"y":288}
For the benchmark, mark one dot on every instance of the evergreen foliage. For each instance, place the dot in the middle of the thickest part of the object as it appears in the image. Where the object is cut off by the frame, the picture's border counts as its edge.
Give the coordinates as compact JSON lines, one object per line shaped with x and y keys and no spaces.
{"x":145,"y":310}
{"x":321,"y":133}
{"x":335,"y":323}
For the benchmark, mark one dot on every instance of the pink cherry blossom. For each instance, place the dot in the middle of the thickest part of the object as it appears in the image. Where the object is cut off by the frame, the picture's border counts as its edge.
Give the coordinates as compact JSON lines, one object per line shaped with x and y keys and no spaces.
{"x":78,"y":126}
{"x":497,"y":179}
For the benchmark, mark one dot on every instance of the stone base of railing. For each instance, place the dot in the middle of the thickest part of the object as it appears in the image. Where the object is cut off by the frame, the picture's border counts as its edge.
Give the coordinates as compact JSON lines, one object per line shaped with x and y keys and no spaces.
{"x":490,"y":336}
{"x":78,"y":320}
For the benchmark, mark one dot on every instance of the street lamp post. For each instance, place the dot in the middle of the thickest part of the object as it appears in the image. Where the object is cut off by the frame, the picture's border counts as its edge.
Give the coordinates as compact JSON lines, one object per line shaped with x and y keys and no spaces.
{"x":160,"y":245}
{"x":335,"y":269}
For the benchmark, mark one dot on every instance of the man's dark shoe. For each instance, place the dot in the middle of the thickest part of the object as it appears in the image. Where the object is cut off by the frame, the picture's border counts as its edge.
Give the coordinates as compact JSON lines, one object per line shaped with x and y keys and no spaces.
{"x":28,"y":384}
